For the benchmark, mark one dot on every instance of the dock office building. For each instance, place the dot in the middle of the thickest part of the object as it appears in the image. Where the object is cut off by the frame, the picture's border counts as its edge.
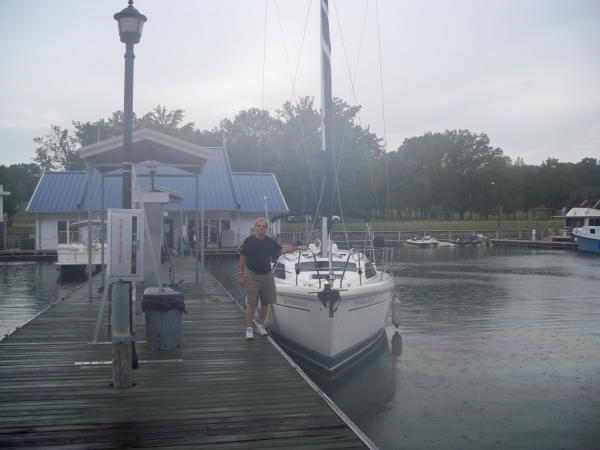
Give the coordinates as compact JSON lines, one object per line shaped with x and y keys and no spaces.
{"x":231,"y":200}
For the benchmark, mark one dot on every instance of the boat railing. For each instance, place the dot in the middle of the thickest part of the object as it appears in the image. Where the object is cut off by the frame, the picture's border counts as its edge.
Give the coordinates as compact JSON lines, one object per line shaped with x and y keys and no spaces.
{"x":362,"y":239}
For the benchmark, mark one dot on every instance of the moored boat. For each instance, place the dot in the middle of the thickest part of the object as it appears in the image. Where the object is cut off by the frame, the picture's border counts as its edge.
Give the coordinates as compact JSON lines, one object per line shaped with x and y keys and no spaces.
{"x":585,"y":226}
{"x":473,"y":241}
{"x":423,"y":241}
{"x":73,"y":257}
{"x":329,"y":309}
{"x":331,"y":304}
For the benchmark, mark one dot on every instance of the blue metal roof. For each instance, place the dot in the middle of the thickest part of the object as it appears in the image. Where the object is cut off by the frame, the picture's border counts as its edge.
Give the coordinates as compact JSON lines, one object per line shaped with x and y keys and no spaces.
{"x":252,"y":188}
{"x":57,"y":191}
{"x":67,"y":191}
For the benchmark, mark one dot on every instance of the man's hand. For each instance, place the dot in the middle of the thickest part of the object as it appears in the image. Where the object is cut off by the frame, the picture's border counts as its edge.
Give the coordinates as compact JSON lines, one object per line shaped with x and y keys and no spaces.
{"x":241,"y":278}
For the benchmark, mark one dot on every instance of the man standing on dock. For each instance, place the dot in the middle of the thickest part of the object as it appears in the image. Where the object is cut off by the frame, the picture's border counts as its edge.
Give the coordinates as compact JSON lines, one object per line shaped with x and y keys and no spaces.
{"x":256,"y":255}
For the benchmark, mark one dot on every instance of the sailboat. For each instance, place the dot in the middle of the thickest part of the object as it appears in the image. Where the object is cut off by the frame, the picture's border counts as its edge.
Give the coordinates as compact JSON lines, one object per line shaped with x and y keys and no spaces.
{"x":332,"y":304}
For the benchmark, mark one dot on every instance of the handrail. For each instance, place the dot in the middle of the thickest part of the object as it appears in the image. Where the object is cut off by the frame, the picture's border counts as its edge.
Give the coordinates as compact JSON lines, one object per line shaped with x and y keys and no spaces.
{"x":345,"y":267}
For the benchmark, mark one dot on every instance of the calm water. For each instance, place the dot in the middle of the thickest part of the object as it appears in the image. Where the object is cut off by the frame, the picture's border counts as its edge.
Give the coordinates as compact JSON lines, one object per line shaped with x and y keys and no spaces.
{"x":497,"y":349}
{"x":26,"y":289}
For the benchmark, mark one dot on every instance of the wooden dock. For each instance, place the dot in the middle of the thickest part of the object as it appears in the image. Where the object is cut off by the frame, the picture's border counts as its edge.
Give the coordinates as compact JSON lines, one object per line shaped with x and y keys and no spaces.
{"x":554,"y":245}
{"x":218,"y":391}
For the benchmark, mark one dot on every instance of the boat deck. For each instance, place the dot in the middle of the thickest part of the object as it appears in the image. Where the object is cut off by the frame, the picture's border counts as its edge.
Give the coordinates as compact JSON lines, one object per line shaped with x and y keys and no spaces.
{"x":218,"y":391}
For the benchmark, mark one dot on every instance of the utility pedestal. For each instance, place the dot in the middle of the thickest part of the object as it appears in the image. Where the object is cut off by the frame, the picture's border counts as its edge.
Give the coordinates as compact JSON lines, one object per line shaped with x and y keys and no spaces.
{"x":125,"y":266}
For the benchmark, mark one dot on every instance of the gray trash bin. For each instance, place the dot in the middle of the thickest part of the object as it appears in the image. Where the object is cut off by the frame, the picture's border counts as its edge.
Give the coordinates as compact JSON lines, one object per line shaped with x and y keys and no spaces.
{"x":162,"y":310}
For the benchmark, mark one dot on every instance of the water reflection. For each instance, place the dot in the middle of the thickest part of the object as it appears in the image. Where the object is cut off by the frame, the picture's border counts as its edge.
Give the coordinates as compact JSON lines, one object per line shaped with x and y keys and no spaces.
{"x":26,"y":289}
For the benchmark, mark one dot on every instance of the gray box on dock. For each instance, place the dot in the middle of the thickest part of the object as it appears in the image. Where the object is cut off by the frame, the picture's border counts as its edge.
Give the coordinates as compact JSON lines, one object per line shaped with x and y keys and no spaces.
{"x":163,"y":308}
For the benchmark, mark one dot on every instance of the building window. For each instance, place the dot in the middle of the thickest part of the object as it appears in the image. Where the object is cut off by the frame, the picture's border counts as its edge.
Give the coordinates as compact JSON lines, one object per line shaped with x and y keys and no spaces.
{"x":62,"y":232}
{"x":225,"y":225}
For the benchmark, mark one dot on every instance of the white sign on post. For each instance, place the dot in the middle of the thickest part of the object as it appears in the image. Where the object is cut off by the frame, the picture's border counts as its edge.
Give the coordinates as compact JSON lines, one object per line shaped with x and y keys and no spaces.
{"x":126,"y":244}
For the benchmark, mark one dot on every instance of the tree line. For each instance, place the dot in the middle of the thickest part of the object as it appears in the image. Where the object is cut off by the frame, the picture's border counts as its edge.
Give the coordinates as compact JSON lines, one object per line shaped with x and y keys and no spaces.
{"x":441,"y":175}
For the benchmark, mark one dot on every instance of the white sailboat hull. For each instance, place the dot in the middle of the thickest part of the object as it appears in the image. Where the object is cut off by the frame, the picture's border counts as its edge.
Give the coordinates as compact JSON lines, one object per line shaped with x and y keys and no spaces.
{"x":303,"y":324}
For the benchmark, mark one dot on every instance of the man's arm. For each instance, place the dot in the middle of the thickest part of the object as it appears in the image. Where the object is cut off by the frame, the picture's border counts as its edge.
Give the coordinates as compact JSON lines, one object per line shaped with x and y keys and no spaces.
{"x":292,"y":248}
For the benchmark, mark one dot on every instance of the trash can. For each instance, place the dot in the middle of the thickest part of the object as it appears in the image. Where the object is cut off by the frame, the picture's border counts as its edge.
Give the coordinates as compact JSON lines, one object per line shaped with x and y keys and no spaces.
{"x":163,"y":308}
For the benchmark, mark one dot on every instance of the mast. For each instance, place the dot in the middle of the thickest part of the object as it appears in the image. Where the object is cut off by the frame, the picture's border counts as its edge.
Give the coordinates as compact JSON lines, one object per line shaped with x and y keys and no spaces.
{"x":326,"y":126}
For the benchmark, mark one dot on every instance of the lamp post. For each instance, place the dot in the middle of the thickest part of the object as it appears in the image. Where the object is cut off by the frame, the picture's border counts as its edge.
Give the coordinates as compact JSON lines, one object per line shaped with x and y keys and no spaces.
{"x":131,"y":22}
{"x":124,"y":358}
{"x":267,"y":213}
{"x":498,"y":207}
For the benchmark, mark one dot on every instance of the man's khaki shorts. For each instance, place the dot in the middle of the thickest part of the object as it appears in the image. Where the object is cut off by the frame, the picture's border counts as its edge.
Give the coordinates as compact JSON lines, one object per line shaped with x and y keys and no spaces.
{"x":262,"y":285}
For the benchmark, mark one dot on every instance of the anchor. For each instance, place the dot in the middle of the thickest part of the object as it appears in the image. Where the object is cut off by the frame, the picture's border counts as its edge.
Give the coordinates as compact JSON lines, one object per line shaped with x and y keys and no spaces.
{"x":330,"y":298}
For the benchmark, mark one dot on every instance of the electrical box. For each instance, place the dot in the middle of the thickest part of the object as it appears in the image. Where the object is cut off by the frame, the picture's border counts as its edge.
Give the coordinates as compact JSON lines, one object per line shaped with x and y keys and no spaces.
{"x":126,"y":244}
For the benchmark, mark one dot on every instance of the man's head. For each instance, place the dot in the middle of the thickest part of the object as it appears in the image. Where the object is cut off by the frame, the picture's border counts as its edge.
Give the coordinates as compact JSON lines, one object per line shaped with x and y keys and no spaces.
{"x":260,"y":228}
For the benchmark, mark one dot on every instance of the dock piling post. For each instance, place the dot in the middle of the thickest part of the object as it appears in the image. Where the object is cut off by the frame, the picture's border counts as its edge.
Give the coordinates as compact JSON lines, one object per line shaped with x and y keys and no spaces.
{"x":122,"y":354}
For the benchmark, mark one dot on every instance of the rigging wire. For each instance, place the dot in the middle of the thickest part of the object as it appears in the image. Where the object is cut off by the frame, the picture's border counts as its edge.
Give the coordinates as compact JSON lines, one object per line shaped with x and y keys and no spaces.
{"x":262,"y":91}
{"x":387,"y":178}
{"x":293,"y":80}
{"x":352,"y":78}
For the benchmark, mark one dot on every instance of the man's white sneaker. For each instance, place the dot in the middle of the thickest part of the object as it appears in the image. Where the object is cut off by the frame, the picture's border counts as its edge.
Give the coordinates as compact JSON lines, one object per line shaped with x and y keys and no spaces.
{"x":249,"y":333}
{"x":260,"y":329}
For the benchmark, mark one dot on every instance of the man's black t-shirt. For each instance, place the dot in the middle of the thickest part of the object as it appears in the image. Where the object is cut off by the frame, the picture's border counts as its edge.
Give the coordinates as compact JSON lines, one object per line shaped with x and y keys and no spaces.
{"x":258,"y":253}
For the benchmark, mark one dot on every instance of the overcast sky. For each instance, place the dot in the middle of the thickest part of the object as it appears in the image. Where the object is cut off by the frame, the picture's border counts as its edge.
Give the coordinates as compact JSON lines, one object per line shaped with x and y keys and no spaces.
{"x":525,"y":72}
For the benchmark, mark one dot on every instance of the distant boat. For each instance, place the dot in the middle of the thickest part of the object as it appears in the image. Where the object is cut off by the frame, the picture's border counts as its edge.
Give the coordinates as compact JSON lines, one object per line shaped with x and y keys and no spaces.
{"x":473,"y":241}
{"x":423,"y":242}
{"x":585,"y":225}
{"x":72,"y":257}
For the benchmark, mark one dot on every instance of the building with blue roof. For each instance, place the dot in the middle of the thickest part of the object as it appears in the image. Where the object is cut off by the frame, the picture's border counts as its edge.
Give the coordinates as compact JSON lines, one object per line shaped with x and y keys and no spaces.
{"x":231,"y":201}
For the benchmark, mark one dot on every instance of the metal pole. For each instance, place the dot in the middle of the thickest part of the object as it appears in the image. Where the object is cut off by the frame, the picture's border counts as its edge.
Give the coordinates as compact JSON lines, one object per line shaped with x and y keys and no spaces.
{"x":127,"y":125}
{"x":202,"y":218}
{"x":102,"y":228}
{"x":181,"y":227}
{"x":4,"y":220}
{"x":326,"y":125}
{"x":124,"y":351}
{"x":197,"y":227}
{"x":89,"y":229}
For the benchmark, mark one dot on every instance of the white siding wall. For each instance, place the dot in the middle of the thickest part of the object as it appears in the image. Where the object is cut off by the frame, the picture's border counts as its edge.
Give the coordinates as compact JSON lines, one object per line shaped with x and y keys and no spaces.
{"x":47,"y":227}
{"x":48,"y":230}
{"x":48,"y":234}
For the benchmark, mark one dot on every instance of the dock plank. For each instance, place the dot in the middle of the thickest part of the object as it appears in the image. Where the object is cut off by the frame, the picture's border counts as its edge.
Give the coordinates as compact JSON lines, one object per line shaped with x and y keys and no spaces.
{"x":218,"y":390}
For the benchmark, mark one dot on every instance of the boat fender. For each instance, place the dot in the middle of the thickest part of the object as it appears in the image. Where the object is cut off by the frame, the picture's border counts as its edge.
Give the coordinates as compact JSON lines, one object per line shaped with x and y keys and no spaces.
{"x":396,"y":344}
{"x":396,"y":311}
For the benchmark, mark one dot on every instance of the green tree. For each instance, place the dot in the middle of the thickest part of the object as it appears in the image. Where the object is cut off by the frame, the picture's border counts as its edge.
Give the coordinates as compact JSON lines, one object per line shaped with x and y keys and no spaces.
{"x":20,"y":180}
{"x":57,"y":150}
{"x":449,"y":172}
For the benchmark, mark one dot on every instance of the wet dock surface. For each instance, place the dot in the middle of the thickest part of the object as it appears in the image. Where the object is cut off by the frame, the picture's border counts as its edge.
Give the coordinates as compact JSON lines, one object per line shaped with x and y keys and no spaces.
{"x":217,"y":391}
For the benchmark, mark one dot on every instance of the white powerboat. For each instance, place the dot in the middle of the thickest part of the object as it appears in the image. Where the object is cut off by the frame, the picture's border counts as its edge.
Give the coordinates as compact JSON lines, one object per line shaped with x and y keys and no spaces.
{"x":585,"y":226}
{"x":423,"y":242}
{"x":331,"y":304}
{"x":73,"y":257}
